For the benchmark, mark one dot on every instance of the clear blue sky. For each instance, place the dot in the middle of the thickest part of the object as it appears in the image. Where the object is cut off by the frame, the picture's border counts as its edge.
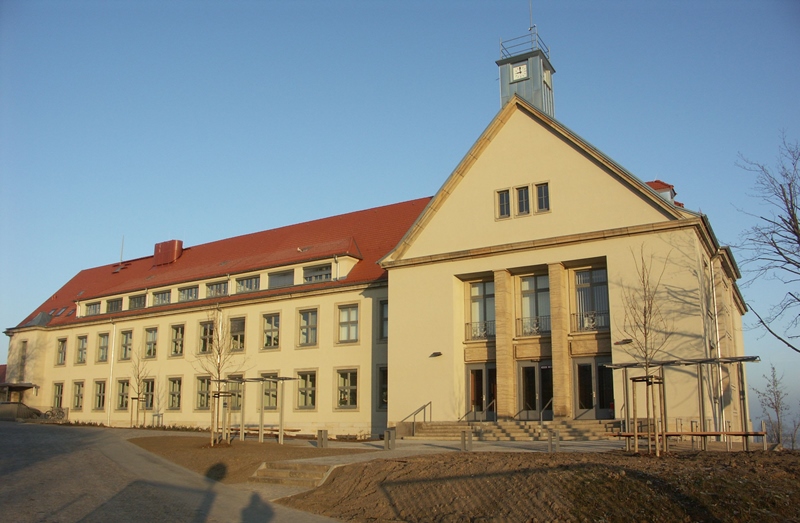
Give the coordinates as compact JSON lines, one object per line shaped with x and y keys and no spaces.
{"x":202,"y":120}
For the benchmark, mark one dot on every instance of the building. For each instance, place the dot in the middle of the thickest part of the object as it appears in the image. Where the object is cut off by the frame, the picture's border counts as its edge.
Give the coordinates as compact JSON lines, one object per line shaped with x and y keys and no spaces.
{"x":509,"y":290}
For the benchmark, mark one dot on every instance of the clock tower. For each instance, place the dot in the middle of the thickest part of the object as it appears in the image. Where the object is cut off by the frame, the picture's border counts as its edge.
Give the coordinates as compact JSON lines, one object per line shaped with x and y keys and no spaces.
{"x":525,"y":70}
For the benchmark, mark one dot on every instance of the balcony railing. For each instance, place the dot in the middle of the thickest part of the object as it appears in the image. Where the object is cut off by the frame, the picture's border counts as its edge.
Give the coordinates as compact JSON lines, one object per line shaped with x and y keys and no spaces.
{"x":588,"y":321}
{"x":480,"y":330}
{"x":534,"y":326}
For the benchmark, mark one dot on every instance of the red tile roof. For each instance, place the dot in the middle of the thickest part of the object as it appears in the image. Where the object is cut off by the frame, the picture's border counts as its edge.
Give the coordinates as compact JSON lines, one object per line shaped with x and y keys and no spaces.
{"x":658,"y":185}
{"x":366,"y":235}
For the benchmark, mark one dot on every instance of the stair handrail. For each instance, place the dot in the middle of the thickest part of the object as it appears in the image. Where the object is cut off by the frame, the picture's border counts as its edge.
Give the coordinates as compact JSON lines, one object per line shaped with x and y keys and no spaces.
{"x":541,"y":412}
{"x":523,"y":409}
{"x":470,"y":411}
{"x":424,"y":410}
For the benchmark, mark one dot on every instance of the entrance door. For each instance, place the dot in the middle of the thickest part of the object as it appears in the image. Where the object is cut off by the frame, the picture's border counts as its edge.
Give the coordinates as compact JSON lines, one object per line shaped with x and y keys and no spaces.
{"x":594,"y":389}
{"x":482,"y":392}
{"x":536,"y":390}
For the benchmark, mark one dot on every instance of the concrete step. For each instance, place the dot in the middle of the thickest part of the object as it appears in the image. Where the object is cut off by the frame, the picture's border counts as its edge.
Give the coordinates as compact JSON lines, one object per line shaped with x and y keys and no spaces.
{"x":296,"y":474}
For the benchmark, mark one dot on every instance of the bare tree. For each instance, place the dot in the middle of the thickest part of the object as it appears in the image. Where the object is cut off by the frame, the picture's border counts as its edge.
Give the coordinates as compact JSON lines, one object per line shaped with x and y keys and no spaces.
{"x":219,"y":356}
{"x":772,"y":245}
{"x":139,"y":373}
{"x":773,"y":404}
{"x":794,"y":430}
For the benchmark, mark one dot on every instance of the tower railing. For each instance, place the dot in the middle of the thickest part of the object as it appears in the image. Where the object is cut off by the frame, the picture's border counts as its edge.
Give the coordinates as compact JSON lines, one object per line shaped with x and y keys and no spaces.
{"x":523,"y":44}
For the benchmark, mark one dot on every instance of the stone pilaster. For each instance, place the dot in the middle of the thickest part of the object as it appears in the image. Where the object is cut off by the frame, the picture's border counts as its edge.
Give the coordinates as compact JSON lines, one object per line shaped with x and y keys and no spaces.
{"x":559,"y":325}
{"x":504,"y":344}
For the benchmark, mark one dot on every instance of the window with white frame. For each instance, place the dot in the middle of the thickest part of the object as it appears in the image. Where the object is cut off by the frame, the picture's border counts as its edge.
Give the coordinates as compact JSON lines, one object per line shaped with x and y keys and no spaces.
{"x":237,"y":334}
{"x":347,"y":388}
{"x":176,"y":344}
{"x":280,"y":279}
{"x":77,"y":395}
{"x":307,"y":389}
{"x":591,"y":301}
{"x":308,"y":327}
{"x":214,"y":290}
{"x":481,"y":325}
{"x":523,"y":200}
{"x":503,"y":205}
{"x":187,"y":293}
{"x":123,"y":391}
{"x":137,"y":302}
{"x":235,"y":389}
{"x":80,"y":353}
{"x":272,"y":324}
{"x":348,"y":323}
{"x":93,"y":308}
{"x":203,"y":401}
{"x":114,"y":305}
{"x":542,"y":197}
{"x":150,"y":342}
{"x":270,"y":400}
{"x":535,"y":306}
{"x":148,"y":394}
{"x":174,"y":402}
{"x":125,"y":345}
{"x":162,"y":298}
{"x":206,"y":337}
{"x":317,"y":273}
{"x":384,"y":320}
{"x":58,"y":394}
{"x":61,"y":351}
{"x":99,"y":395}
{"x":383,"y":388}
{"x":250,"y":284}
{"x":102,"y":347}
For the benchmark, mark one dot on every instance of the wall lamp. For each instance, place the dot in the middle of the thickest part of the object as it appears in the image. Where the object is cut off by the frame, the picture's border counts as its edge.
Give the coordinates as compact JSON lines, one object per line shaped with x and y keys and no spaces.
{"x":435,"y":354}
{"x":626,"y":341}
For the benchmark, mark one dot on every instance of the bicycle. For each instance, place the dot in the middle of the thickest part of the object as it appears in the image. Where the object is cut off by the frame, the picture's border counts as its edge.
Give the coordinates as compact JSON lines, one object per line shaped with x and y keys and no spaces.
{"x":56,"y":413}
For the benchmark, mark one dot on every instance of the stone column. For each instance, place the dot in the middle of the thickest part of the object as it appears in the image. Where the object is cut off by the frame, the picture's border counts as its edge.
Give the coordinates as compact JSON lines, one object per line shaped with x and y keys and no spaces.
{"x":559,"y":325}
{"x":504,"y":344}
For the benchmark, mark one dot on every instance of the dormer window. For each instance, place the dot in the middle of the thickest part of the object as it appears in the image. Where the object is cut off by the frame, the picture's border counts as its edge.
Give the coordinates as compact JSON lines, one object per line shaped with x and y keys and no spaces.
{"x":136,"y":302}
{"x":114,"y":305}
{"x":187,"y":294}
{"x":93,"y":308}
{"x":250,"y":284}
{"x":317,"y":273}
{"x":217,"y":289}
{"x":281,"y":279}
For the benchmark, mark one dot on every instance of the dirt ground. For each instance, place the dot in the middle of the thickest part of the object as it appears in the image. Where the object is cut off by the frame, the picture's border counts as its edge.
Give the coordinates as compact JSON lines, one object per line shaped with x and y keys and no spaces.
{"x":490,"y":486}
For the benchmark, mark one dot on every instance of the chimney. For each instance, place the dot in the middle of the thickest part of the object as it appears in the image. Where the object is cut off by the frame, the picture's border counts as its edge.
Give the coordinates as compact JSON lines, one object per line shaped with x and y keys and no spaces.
{"x":167,"y":252}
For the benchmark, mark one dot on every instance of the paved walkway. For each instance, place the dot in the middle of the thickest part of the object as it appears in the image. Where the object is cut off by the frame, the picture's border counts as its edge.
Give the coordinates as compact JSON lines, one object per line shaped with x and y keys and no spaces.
{"x":67,"y":474}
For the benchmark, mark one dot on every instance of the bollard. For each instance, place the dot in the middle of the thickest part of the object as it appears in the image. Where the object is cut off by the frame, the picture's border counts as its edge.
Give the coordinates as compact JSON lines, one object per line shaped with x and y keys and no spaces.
{"x":466,"y":440}
{"x":322,"y":439}
{"x":389,"y":440}
{"x":558,"y":442}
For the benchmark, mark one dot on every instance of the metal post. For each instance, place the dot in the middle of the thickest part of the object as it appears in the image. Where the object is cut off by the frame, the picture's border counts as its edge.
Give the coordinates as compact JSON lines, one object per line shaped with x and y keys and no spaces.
{"x":322,"y":439}
{"x":635,"y":423}
{"x":549,"y":441}
{"x":764,"y":437}
{"x":261,"y":415}
{"x":241,"y":413}
{"x":558,"y":441}
{"x":389,"y":440}
{"x":627,"y":408}
{"x":280,"y":417}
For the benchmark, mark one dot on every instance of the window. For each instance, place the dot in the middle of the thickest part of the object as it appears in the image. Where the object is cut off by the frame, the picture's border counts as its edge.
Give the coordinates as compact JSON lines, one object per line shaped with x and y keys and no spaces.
{"x":591,"y":288}
{"x":187,"y":294}
{"x":348,"y":323}
{"x":206,"y":337}
{"x":542,"y":197}
{"x":58,"y":394}
{"x":137,"y":302}
{"x":203,"y":392}
{"x":23,"y":360}
{"x":384,"y":322}
{"x":99,"y":395}
{"x":148,"y":394}
{"x":383,"y":388}
{"x":250,"y":284}
{"x":80,"y":355}
{"x":217,"y":289}
{"x":102,"y":347}
{"x":317,"y":273}
{"x":162,"y":298}
{"x":535,"y":294}
{"x":308,"y":327}
{"x":150,"y":341}
{"x":177,"y":341}
{"x":503,"y":204}
{"x":174,"y":394}
{"x":272,"y":324}
{"x":347,"y":389}
{"x":114,"y":305}
{"x":77,"y":395}
{"x":235,"y":388}
{"x":61,"y":352}
{"x":123,"y":388}
{"x":481,"y":325}
{"x":270,"y":391}
{"x":281,"y":279}
{"x":523,"y":201}
{"x":237,"y":334}
{"x":307,"y":390}
{"x":126,"y":345}
{"x":93,"y":308}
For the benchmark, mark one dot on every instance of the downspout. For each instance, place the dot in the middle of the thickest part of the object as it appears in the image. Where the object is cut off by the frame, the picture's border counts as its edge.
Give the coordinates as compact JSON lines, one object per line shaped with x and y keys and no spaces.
{"x":336,"y":261}
{"x":719,"y":351}
{"x":111,"y":373}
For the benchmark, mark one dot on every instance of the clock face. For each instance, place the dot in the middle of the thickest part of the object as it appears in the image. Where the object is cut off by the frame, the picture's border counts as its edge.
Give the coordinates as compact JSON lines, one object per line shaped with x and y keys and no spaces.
{"x":519,"y":71}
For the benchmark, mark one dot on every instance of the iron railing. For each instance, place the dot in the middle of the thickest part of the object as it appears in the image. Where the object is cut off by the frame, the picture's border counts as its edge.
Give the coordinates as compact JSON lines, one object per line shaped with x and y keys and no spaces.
{"x":523,"y":44}
{"x":590,"y":321}
{"x":480,"y":330}
{"x":534,"y":326}
{"x":427,"y":415}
